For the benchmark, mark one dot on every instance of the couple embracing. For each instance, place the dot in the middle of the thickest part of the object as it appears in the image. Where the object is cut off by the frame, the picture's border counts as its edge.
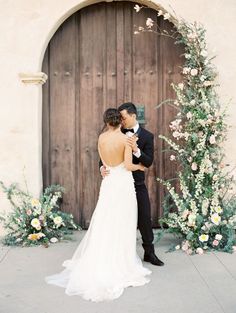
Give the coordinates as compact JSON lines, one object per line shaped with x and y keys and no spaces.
{"x":105,"y":261}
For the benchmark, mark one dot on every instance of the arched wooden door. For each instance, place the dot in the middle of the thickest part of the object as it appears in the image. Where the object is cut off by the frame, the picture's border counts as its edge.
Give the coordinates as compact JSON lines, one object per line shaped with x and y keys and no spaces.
{"x":94,"y":61}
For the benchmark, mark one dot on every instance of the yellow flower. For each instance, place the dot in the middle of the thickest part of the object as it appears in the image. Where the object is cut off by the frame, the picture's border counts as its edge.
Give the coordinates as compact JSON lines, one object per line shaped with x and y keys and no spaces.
{"x":219,"y":209}
{"x":35,"y":202}
{"x":203,"y":237}
{"x":33,"y":237}
{"x":215,"y":218}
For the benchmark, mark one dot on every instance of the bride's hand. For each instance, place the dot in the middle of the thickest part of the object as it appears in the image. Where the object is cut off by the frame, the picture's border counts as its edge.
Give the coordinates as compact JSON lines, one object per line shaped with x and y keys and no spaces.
{"x":141,"y":167}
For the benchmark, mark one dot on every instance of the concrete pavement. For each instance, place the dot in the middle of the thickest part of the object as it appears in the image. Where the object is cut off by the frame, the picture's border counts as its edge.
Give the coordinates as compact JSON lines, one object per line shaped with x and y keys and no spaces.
{"x":186,"y":284}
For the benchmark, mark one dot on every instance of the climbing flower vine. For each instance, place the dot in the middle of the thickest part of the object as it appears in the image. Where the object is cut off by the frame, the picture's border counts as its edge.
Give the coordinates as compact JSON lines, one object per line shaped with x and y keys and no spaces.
{"x":205,"y":207}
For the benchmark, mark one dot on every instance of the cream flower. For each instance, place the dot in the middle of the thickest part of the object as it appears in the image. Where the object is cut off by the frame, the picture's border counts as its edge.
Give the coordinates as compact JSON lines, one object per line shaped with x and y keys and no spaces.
{"x":53,"y":240}
{"x":218,"y":209}
{"x":35,"y":202}
{"x":186,"y":70}
{"x":181,"y":86}
{"x":194,"y":72}
{"x":160,"y":12}
{"x":137,"y":8}
{"x":149,"y":22}
{"x":212,"y":139}
{"x":218,"y":237}
{"x":189,"y":115}
{"x":207,"y":83}
{"x":40,"y":235}
{"x":185,"y":245}
{"x":35,"y":223}
{"x":57,"y":220}
{"x":191,"y":219}
{"x":215,"y":218}
{"x":199,"y":251}
{"x":204,"y":53}
{"x":203,"y":237}
{"x":185,"y":214}
{"x":166,"y":16}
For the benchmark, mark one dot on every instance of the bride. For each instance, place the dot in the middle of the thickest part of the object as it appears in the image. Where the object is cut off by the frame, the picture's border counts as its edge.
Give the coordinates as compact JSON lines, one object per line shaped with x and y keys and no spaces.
{"x":105,"y":262}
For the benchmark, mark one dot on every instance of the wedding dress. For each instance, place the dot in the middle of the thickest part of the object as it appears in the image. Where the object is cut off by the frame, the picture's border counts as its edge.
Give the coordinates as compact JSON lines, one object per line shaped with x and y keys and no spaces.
{"x":106,"y":262}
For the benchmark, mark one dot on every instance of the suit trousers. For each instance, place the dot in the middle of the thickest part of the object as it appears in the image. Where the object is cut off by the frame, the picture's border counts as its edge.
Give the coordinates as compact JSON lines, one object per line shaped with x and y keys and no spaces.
{"x":144,"y":217}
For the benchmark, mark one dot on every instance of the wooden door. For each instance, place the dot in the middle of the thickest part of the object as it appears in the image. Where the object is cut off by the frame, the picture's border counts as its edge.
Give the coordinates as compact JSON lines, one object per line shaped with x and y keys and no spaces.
{"x":94,"y":61}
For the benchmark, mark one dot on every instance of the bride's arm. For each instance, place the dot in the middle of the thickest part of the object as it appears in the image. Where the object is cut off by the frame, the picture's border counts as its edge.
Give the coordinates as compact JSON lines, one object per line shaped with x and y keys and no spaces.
{"x":128,"y":160}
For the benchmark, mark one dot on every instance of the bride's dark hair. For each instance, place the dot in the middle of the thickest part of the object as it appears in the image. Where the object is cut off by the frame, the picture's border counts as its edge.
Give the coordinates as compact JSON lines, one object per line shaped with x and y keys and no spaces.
{"x":111,"y":117}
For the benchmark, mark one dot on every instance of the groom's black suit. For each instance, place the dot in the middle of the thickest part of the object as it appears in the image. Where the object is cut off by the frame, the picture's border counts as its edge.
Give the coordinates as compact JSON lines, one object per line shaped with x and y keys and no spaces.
{"x":146,"y":145}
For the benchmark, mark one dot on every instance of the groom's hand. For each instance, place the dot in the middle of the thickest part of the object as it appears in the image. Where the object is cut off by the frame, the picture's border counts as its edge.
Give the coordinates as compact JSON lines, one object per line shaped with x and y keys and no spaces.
{"x":132,"y":142}
{"x":104,"y":171}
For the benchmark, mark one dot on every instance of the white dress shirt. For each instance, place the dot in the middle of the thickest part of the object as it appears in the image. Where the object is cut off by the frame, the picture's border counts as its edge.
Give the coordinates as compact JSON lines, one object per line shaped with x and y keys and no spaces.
{"x":130,"y":134}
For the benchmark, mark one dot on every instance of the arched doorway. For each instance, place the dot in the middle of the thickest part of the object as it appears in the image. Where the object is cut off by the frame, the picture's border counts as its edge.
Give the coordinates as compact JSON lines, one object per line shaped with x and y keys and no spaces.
{"x":94,"y":61}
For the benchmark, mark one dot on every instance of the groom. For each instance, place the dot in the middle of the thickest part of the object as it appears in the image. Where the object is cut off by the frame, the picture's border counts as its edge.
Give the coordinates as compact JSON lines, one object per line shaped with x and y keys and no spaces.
{"x":143,"y":148}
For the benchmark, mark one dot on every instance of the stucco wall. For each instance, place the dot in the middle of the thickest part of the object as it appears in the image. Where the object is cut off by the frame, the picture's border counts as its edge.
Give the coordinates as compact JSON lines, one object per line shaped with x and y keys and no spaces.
{"x":26,"y":28}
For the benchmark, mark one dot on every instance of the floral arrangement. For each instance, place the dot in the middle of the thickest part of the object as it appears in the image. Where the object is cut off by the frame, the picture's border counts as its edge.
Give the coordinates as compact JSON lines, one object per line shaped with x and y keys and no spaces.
{"x":36,"y":221}
{"x":205,"y":207}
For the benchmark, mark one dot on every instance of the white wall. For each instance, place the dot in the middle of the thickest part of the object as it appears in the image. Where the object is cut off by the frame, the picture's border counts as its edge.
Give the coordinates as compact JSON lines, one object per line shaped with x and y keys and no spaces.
{"x":26,"y":28}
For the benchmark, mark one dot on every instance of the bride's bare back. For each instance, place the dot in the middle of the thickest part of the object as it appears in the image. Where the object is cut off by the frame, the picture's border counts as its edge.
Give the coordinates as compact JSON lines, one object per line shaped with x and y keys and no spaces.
{"x":111,"y":147}
{"x":113,"y":150}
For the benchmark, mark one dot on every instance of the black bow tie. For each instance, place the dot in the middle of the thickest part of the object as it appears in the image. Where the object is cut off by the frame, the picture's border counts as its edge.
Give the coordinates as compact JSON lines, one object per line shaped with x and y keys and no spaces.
{"x":125,"y":130}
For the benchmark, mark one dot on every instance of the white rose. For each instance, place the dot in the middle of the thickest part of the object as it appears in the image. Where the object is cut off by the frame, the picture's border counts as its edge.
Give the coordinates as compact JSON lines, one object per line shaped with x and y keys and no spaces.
{"x":194,"y":72}
{"x":204,"y":53}
{"x":177,"y":247}
{"x":207,"y":83}
{"x":149,"y":22}
{"x":191,"y":219}
{"x":194,"y":166}
{"x":172,"y":157}
{"x":57,"y":220}
{"x":202,"y":78}
{"x":189,"y":115}
{"x":166,"y":16}
{"x":199,"y":251}
{"x":186,"y":70}
{"x":218,"y":237}
{"x":53,"y":239}
{"x":137,"y":8}
{"x":212,"y":139}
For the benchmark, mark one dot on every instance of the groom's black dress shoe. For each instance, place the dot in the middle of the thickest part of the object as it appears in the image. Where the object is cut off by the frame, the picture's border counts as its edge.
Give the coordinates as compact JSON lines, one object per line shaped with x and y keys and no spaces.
{"x":152,"y":258}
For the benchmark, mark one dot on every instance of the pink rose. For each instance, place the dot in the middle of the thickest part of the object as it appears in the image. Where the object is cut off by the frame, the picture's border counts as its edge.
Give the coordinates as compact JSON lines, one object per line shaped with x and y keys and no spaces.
{"x":215,"y":242}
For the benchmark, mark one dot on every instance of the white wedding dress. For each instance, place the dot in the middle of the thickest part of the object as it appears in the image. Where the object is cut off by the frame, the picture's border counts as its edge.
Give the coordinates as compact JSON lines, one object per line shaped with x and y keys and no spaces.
{"x":106,"y":262}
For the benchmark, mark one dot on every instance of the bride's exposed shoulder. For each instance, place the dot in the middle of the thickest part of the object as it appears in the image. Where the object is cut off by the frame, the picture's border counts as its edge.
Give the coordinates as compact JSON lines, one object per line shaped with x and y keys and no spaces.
{"x":107,"y":136}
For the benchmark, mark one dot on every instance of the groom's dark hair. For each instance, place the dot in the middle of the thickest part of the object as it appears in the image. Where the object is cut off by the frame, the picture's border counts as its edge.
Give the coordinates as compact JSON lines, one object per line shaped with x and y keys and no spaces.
{"x":129,"y":107}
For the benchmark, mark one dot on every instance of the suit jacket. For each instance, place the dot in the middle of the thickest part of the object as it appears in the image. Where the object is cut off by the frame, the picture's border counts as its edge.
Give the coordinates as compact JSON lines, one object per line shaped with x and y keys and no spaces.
{"x":146,"y":145}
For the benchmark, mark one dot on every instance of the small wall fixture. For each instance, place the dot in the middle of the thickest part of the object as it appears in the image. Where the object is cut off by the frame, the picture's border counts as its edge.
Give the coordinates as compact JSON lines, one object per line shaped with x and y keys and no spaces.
{"x":33,"y":78}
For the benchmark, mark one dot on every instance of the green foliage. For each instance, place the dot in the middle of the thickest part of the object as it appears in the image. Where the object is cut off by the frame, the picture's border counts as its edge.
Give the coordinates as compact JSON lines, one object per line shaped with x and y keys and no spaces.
{"x":203,"y":213}
{"x":35,"y":221}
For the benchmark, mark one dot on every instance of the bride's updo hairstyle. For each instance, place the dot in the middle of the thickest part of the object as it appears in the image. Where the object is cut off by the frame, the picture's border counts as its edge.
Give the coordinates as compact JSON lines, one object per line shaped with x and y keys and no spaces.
{"x":112,"y":117}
